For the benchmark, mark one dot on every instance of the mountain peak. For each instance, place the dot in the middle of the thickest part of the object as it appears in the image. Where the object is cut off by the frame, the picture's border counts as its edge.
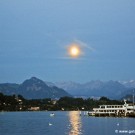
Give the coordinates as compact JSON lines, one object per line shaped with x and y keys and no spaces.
{"x":34,"y":78}
{"x":34,"y":88}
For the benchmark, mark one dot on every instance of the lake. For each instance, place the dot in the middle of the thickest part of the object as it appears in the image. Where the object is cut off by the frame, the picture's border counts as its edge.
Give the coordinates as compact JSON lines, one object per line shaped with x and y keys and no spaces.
{"x":63,"y":123}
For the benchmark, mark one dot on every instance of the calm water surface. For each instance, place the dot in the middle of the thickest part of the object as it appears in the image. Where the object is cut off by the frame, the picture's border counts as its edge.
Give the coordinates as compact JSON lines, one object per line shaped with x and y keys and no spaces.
{"x":63,"y":123}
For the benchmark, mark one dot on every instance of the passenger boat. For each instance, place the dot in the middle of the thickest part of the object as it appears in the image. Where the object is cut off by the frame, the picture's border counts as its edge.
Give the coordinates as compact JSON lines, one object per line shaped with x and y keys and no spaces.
{"x":114,"y":110}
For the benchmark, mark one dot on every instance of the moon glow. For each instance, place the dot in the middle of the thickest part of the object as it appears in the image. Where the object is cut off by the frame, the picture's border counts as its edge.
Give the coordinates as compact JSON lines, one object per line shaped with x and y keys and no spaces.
{"x":74,"y":51}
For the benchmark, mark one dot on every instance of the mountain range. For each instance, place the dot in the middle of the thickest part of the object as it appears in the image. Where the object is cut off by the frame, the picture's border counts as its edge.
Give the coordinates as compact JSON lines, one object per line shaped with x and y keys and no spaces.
{"x":110,"y":89}
{"x":129,"y":84}
{"x":35,"y":88}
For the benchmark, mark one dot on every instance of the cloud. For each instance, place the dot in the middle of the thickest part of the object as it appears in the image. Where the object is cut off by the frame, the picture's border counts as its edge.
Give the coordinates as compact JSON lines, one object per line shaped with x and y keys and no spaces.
{"x":70,"y":58}
{"x":84,"y":45}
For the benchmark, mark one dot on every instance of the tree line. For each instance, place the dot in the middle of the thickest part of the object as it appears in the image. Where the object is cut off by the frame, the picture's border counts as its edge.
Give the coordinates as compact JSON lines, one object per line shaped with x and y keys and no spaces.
{"x":19,"y":103}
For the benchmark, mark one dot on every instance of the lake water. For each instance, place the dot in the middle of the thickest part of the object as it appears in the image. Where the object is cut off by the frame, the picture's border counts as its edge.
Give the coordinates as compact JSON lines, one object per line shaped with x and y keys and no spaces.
{"x":63,"y":123}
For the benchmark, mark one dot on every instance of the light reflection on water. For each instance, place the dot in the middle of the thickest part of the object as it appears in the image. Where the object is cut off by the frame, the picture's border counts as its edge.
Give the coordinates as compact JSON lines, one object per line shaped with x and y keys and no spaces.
{"x":75,"y":123}
{"x":63,"y":123}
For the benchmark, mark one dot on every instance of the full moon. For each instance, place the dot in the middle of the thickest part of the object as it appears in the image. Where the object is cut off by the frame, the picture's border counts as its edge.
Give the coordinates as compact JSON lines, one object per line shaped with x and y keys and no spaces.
{"x":74,"y":51}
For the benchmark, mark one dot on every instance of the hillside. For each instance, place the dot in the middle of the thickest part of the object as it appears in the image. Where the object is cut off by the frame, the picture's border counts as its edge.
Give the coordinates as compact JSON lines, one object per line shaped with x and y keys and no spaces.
{"x":110,"y":89}
{"x":33,"y":88}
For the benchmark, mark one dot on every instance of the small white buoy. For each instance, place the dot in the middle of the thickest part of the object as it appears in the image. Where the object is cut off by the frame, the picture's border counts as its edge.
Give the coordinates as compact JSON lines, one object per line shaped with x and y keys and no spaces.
{"x":52,"y":114}
{"x":118,"y":124}
{"x":50,"y":124}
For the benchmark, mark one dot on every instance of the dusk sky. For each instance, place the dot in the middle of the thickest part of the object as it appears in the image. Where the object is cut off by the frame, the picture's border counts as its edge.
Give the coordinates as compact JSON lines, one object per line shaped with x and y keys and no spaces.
{"x":35,"y":35}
